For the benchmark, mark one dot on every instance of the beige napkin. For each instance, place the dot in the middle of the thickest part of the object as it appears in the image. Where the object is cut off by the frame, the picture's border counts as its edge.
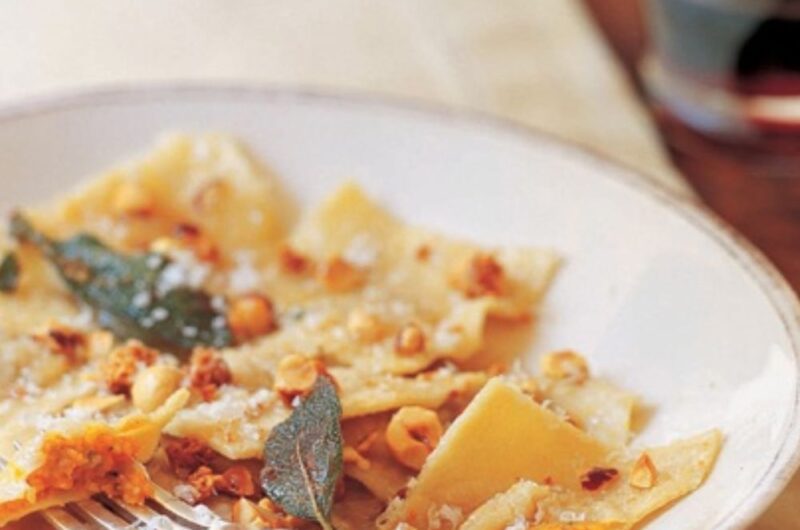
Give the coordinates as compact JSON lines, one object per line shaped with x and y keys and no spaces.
{"x":539,"y":62}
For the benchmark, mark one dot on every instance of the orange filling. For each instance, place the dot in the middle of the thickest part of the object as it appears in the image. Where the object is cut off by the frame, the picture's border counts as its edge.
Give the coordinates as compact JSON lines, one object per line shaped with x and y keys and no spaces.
{"x":97,"y":462}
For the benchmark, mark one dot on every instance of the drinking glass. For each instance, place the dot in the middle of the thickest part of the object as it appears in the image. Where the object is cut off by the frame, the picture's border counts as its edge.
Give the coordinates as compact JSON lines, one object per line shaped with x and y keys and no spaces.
{"x":726,"y":67}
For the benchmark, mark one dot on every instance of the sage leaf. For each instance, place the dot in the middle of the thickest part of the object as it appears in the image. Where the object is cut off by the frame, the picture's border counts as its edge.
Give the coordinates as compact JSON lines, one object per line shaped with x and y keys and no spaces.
{"x":303,"y":456}
{"x":9,"y":273}
{"x":125,"y":294}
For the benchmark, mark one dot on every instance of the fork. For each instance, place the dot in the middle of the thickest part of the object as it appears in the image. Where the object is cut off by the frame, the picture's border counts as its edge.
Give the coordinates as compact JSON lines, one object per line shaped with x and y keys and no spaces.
{"x":165,"y":513}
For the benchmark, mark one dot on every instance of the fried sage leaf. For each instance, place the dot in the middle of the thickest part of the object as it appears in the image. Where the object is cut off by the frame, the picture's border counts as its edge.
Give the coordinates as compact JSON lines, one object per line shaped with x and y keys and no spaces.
{"x":124,"y":291}
{"x":303,"y":456}
{"x":9,"y":273}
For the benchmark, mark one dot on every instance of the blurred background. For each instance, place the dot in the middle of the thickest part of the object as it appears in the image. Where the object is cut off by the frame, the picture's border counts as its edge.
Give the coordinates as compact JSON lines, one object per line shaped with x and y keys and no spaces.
{"x":697,"y":94}
{"x":702,"y":96}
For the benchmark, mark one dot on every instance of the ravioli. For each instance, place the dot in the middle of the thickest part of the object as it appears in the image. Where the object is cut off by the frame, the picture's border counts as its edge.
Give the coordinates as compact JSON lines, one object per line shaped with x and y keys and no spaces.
{"x":417,"y":331}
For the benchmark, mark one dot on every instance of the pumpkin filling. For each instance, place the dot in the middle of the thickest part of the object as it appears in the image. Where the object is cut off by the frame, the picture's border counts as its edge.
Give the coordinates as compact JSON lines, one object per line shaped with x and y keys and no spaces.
{"x":96,"y":462}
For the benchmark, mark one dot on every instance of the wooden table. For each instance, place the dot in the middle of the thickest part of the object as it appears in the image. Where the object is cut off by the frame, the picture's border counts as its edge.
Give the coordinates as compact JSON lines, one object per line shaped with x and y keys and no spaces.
{"x":756,"y":188}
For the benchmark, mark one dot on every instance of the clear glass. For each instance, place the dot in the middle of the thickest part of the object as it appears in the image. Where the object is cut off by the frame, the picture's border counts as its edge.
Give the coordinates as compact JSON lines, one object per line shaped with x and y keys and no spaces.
{"x":729,"y":67}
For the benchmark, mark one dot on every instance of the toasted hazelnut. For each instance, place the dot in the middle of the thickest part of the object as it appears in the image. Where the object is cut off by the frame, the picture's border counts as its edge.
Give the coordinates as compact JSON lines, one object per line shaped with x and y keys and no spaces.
{"x":296,"y":375}
{"x":122,"y":364}
{"x":480,"y":275}
{"x":187,"y":454}
{"x":351,"y":456}
{"x":340,"y":276}
{"x":412,"y":434}
{"x":565,"y":365}
{"x":251,"y":316}
{"x":409,"y":340}
{"x":205,"y":483}
{"x":207,"y":372}
{"x":423,"y":253}
{"x":153,"y":385}
{"x":238,"y":481}
{"x":293,"y":262}
{"x":365,"y":327}
{"x":193,"y":238}
{"x":598,"y":478}
{"x":65,"y":341}
{"x":644,"y":474}
{"x":132,"y":199}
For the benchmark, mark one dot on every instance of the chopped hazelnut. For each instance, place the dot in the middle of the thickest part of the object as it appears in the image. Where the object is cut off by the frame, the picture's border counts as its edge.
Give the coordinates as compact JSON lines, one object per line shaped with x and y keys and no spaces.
{"x":193,"y":238}
{"x":62,"y":340}
{"x":423,"y":253}
{"x":293,"y":262}
{"x":296,"y":376}
{"x":481,"y":275}
{"x":644,"y":474}
{"x":238,"y":481}
{"x":412,"y":434}
{"x":251,"y":316}
{"x":365,"y":327}
{"x":132,"y":199}
{"x":340,"y":276}
{"x":351,"y":456}
{"x":205,"y":483}
{"x":122,"y":364}
{"x":207,"y":372}
{"x":598,"y":478}
{"x":187,"y":454}
{"x":565,"y":365}
{"x":409,"y":340}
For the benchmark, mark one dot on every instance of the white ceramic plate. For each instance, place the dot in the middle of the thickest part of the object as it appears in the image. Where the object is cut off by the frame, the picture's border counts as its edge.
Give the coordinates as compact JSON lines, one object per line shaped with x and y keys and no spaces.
{"x":663,"y":299}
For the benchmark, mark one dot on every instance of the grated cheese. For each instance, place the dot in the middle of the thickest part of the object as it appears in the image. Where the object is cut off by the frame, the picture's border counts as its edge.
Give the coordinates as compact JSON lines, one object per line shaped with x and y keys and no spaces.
{"x":444,"y":517}
{"x":362,"y":251}
{"x":184,"y":270}
{"x":244,"y":277}
{"x":568,"y":516}
{"x":519,"y":524}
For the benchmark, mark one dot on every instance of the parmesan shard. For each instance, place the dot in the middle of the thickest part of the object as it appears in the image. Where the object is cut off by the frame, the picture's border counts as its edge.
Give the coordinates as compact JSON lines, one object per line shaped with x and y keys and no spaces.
{"x":504,"y":509}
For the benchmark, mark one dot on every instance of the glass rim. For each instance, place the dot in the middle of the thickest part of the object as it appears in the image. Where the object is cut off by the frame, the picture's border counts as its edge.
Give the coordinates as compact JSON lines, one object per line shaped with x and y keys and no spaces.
{"x":791,"y":7}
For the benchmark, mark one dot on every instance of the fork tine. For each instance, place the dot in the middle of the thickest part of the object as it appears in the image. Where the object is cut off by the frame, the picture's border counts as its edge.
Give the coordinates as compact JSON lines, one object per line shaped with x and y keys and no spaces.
{"x":61,"y":519}
{"x":100,"y":515}
{"x":181,"y":510}
{"x":146,"y":514}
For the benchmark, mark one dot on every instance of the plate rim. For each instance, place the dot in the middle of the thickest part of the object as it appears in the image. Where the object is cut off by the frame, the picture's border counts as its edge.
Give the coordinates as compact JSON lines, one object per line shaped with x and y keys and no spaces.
{"x":754,"y":263}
